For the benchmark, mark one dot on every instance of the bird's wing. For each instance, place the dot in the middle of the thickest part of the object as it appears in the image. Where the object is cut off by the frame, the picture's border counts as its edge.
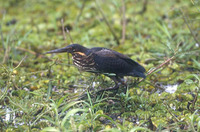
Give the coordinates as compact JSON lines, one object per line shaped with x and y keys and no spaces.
{"x":103,"y":52}
{"x":113,"y":62}
{"x":132,"y":62}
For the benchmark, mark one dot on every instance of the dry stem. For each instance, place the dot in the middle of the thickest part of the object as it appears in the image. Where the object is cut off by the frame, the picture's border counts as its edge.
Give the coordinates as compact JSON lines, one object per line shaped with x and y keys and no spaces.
{"x":123,"y":21}
{"x":158,"y":67}
{"x":107,"y":23}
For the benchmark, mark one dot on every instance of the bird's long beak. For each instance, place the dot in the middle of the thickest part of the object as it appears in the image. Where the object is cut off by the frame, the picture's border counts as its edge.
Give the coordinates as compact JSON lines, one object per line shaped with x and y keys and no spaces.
{"x":65,"y":49}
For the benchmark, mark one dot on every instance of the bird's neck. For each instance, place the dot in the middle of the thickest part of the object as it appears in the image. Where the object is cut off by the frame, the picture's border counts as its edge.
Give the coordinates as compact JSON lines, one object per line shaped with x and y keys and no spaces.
{"x":82,"y":52}
{"x":78,"y":54}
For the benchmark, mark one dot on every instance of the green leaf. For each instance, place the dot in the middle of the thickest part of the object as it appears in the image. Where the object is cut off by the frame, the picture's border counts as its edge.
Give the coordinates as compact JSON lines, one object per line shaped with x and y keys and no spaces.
{"x":49,"y":90}
{"x":140,"y":129}
{"x":71,"y":112}
{"x":50,"y":129}
{"x":61,"y":100}
{"x":66,"y":107}
{"x":164,"y":29}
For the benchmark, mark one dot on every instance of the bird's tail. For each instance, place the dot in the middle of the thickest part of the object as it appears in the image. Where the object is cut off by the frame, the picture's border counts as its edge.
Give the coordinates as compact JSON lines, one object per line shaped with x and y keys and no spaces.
{"x":139,"y":74}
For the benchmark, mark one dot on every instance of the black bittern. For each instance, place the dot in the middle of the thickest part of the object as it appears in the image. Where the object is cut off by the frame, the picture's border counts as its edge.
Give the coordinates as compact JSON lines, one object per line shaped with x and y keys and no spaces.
{"x":104,"y":61}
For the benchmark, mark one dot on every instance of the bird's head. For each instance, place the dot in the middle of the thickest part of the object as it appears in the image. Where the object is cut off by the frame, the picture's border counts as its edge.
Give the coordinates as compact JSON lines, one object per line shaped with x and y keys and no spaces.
{"x":72,"y":48}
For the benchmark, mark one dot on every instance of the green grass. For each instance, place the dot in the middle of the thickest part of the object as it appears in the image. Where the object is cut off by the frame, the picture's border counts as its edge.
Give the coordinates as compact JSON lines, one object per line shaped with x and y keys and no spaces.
{"x":39,"y":92}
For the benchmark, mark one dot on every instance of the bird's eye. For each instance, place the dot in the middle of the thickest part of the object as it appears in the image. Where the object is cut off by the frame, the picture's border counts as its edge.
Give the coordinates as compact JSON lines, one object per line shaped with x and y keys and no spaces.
{"x":73,"y":50}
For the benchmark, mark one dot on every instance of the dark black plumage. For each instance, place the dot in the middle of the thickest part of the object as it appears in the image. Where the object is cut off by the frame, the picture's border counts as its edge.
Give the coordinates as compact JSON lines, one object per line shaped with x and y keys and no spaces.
{"x":105,"y":61}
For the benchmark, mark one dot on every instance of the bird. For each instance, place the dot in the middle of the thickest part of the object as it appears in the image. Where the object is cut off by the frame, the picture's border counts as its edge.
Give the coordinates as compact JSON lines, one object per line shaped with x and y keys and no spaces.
{"x":105,"y":61}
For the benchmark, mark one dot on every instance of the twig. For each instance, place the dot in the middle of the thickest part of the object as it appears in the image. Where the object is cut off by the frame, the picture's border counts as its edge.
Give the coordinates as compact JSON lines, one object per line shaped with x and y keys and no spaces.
{"x":107,"y":23}
{"x":81,"y":11}
{"x":123,"y":21}
{"x":71,"y":42}
{"x":69,"y":35}
{"x":64,"y":36}
{"x":191,"y":31}
{"x":176,"y":119}
{"x":20,"y":62}
{"x":63,"y":29}
{"x":158,"y":67}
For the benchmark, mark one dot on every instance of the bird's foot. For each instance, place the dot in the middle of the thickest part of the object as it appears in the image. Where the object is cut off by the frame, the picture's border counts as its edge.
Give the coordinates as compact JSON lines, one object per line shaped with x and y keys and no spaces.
{"x":116,"y":87}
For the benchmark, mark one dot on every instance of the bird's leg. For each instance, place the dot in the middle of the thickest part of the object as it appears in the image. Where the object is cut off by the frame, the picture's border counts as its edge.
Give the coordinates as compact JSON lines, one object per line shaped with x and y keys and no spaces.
{"x":115,"y":79}
{"x":91,"y":87}
{"x":122,"y":82}
{"x":112,"y":88}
